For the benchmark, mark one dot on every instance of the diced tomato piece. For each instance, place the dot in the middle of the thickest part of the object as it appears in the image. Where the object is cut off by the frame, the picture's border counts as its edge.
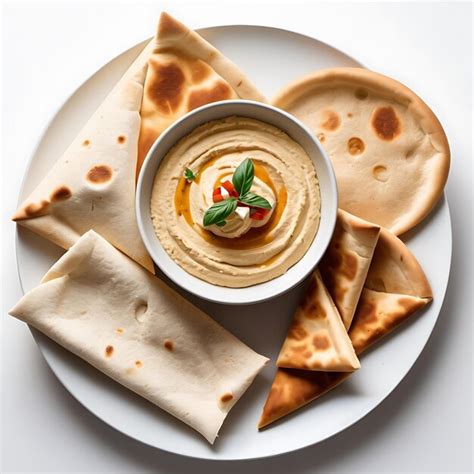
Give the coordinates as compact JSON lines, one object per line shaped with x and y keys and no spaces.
{"x":259,"y":214}
{"x":217,"y":195}
{"x":230,"y":188}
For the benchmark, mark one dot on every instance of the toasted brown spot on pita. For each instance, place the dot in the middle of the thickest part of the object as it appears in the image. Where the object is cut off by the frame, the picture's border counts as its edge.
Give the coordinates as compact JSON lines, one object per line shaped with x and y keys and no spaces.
{"x":385,"y":123}
{"x":199,"y":71}
{"x":299,"y":348}
{"x":366,"y":313}
{"x":60,"y":194}
{"x":350,"y":115}
{"x":355,"y":145}
{"x":321,"y":342}
{"x":239,"y":83}
{"x":220,"y":91}
{"x":331,"y":120}
{"x":121,"y":139}
{"x":138,"y":363}
{"x":321,"y":137}
{"x":307,"y":354}
{"x":315,"y":311}
{"x":361,"y":93}
{"x":380,"y":173}
{"x":166,"y":85}
{"x":297,"y":332}
{"x":168,"y":343}
{"x":119,"y":331}
{"x":227,"y":397}
{"x":86,"y":143}
{"x":99,"y":174}
{"x":36,"y":210}
{"x":109,"y":350}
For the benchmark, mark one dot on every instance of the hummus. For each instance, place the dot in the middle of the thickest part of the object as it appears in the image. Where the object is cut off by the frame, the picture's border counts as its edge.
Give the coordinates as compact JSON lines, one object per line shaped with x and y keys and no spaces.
{"x":244,"y":251}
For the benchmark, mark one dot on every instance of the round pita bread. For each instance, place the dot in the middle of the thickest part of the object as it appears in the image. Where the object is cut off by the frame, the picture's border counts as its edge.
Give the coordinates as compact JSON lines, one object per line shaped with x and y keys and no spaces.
{"x":389,"y":151}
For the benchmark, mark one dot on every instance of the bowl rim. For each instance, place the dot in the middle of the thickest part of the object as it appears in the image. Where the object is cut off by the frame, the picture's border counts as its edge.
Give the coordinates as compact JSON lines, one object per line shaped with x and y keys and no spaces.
{"x":234,"y":296}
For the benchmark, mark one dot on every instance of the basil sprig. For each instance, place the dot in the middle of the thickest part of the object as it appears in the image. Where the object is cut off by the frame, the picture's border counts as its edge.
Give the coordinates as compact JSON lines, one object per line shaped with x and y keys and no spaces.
{"x":217,"y":213}
{"x":243,"y":177}
{"x":254,"y":200}
{"x":189,"y":175}
{"x":242,"y":181}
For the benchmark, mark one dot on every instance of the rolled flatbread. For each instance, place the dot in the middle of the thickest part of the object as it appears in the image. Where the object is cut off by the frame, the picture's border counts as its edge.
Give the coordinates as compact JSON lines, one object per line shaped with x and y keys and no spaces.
{"x":346,"y":262}
{"x":389,"y":151}
{"x":92,"y":185}
{"x":185,"y":72}
{"x":103,"y":307}
{"x":396,"y":287}
{"x":317,"y":338}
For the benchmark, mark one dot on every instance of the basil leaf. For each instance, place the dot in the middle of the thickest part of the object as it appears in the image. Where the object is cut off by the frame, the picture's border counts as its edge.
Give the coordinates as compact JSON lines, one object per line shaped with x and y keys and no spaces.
{"x":189,"y":175}
{"x":242,"y":178}
{"x":255,"y":200}
{"x":220,"y":224}
{"x":219,"y":211}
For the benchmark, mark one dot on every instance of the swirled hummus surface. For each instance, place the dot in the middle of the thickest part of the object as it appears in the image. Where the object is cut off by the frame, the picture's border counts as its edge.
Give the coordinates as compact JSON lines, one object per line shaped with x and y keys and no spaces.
{"x":244,"y":251}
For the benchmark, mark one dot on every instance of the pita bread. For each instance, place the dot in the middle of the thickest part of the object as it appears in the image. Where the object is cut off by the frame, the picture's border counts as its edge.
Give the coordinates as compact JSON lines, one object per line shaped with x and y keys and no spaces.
{"x":317,"y":339}
{"x":106,"y":309}
{"x":379,"y":312}
{"x":346,"y":262}
{"x":389,"y":151}
{"x":92,"y":185}
{"x":185,"y":72}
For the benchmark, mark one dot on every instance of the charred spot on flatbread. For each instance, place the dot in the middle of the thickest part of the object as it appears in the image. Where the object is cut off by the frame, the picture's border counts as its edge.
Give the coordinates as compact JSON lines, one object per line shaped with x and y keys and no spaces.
{"x":355,"y":146}
{"x":86,"y":143}
{"x":60,"y":194}
{"x":296,"y":331}
{"x":166,"y":86}
{"x":32,"y":210}
{"x":386,"y":123}
{"x":99,"y":174}
{"x":121,"y":139}
{"x":321,"y":342}
{"x":219,"y":91}
{"x":331,"y":120}
{"x":226,"y":397}
{"x":361,"y":93}
{"x":109,"y":351}
{"x":138,"y":364}
{"x":168,"y":343}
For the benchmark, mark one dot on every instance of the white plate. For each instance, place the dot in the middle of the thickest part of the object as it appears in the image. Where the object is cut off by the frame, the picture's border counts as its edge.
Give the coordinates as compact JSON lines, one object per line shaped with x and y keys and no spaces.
{"x":271,"y":58}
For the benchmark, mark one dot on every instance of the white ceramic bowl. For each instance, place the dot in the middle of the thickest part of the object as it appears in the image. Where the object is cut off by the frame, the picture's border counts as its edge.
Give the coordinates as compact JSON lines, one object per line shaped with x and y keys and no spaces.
{"x":327,"y":181}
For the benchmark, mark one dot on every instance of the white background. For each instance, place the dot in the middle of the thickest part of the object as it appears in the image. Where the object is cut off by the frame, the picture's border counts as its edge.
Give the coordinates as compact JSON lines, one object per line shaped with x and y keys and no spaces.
{"x":49,"y":49}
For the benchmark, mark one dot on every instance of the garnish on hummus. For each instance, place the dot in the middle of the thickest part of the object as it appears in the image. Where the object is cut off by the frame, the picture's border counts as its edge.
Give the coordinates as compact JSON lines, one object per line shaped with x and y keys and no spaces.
{"x":237,"y":198}
{"x":219,"y":202}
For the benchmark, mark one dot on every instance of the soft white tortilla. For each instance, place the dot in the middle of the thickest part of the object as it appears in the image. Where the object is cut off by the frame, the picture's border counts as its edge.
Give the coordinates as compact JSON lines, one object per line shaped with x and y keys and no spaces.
{"x":92,"y":185}
{"x":105,"y":308}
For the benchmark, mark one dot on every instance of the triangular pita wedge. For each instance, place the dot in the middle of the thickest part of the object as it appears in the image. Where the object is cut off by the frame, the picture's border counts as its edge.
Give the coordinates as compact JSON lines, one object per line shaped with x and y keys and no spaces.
{"x":317,"y":339}
{"x":393,"y":268}
{"x":390,"y":153}
{"x":92,"y":185}
{"x":105,"y":308}
{"x":346,"y":262}
{"x":185,"y":72}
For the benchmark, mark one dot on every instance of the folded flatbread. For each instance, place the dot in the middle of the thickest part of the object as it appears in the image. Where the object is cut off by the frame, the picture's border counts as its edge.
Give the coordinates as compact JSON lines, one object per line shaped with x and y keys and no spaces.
{"x":396,"y":288}
{"x":346,"y":262}
{"x":92,"y":185}
{"x":317,"y":338}
{"x":185,"y":72}
{"x":103,"y":307}
{"x":389,"y":151}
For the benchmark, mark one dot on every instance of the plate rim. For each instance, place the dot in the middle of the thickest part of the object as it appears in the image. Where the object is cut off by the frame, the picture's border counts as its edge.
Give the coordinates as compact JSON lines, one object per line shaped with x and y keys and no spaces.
{"x":442,"y":200}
